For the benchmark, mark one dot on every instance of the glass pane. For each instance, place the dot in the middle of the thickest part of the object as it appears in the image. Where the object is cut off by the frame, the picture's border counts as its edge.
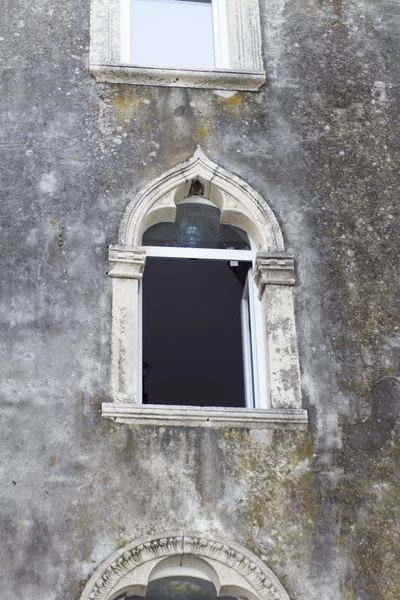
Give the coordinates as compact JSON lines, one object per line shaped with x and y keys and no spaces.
{"x":181,"y":588}
{"x":177,"y":588}
{"x":173,"y":33}
{"x":196,"y":226}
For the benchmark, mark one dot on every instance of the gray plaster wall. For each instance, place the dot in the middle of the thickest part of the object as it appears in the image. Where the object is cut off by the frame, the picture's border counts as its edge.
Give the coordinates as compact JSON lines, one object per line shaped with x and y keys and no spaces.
{"x":321,"y":143}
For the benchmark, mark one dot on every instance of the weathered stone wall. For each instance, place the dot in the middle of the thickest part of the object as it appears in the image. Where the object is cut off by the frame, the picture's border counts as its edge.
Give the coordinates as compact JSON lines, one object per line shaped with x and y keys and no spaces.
{"x":321,"y":144}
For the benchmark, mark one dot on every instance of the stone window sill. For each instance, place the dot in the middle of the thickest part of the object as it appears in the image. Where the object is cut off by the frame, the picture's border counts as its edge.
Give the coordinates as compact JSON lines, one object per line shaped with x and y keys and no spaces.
{"x":194,"y":416}
{"x":221,"y":79}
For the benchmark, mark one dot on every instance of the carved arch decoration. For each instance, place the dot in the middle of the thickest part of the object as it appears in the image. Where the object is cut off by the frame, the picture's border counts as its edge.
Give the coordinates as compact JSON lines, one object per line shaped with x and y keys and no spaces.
{"x":128,"y":567}
{"x":239,"y":203}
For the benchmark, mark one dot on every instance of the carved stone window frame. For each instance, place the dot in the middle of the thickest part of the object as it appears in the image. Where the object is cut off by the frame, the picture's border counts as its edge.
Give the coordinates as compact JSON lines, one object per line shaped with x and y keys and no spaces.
{"x":130,"y":567}
{"x":243,"y":67}
{"x":241,"y":206}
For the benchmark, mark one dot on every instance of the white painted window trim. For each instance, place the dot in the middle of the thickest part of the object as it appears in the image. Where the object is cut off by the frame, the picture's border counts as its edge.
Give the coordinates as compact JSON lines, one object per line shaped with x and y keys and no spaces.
{"x":237,"y":40}
{"x":253,"y":355}
{"x":125,"y":31}
{"x":247,"y":345}
{"x":201,"y":253}
{"x":221,"y":34}
{"x":277,"y":361}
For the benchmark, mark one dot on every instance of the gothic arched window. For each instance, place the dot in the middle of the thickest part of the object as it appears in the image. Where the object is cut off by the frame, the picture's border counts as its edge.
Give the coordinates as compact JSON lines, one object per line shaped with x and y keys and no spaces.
{"x":202,"y":306}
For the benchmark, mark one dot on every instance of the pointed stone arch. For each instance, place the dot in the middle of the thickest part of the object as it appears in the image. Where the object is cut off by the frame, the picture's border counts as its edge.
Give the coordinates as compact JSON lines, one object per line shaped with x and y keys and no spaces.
{"x":130,"y":567}
{"x":239,"y":203}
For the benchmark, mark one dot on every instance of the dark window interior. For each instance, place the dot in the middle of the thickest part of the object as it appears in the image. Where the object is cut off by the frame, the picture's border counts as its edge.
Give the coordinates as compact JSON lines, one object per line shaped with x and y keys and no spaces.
{"x":192,"y":341}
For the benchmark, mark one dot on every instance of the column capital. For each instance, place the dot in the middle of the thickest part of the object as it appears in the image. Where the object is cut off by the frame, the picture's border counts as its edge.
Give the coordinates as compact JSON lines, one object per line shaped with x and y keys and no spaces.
{"x":126,"y":262}
{"x":273,"y":268}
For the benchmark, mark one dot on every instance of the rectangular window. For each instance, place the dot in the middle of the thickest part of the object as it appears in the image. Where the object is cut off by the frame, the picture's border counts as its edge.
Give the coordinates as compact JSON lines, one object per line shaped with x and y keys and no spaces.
{"x":193,"y":345}
{"x":173,"y":33}
{"x":177,"y":43}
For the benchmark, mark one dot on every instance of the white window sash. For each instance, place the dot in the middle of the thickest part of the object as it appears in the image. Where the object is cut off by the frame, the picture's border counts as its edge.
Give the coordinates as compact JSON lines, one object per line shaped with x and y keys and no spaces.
{"x":257,"y":329}
{"x":253,"y":330}
{"x":140,"y":347}
{"x":246,"y":347}
{"x":125,"y":29}
{"x":221,"y":34}
{"x":205,"y":253}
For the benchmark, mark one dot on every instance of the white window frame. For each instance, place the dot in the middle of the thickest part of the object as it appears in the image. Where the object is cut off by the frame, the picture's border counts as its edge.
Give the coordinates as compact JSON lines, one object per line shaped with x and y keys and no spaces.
{"x":276,"y":363}
{"x":220,"y":33}
{"x":254,"y":355}
{"x":237,"y":40}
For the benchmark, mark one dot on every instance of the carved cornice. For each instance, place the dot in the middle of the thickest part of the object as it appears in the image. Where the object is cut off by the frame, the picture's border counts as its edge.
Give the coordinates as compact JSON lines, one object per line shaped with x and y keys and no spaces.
{"x":273,"y":268}
{"x":126,"y":262}
{"x":261,"y":579}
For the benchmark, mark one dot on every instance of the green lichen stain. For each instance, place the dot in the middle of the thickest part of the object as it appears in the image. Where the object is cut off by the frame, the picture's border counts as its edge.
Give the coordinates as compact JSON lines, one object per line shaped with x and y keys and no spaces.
{"x":122,"y":541}
{"x":229,"y":104}
{"x":370,"y":524}
{"x":337,"y":9}
{"x":235,"y":100}
{"x":127,"y":104}
{"x":202,"y":133}
{"x":279,"y":494}
{"x":349,"y":595}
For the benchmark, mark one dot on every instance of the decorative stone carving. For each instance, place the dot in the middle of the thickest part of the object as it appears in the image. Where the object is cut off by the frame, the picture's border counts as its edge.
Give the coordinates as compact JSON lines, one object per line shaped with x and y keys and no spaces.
{"x":274,"y":268}
{"x":259,"y":577}
{"x":240,"y":204}
{"x":275,"y":278}
{"x":126,"y":262}
{"x":126,"y":269}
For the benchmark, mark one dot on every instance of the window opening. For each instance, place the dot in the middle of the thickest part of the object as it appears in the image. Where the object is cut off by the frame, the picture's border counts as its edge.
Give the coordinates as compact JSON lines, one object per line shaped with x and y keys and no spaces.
{"x":192,"y":337}
{"x":174,"y":33}
{"x":202,"y":323}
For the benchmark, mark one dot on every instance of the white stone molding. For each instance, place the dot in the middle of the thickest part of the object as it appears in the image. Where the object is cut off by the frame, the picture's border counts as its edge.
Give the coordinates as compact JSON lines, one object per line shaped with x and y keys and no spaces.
{"x":274,"y":268}
{"x":275,"y":278}
{"x":240,"y":80}
{"x":210,"y":418}
{"x":245,"y":34}
{"x":245,"y":72}
{"x":240,"y":204}
{"x":121,"y":567}
{"x":126,"y":268}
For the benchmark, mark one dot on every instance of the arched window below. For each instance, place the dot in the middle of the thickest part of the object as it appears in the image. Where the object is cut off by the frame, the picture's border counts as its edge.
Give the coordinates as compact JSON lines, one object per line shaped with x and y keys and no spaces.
{"x":181,"y":566}
{"x":178,"y":588}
